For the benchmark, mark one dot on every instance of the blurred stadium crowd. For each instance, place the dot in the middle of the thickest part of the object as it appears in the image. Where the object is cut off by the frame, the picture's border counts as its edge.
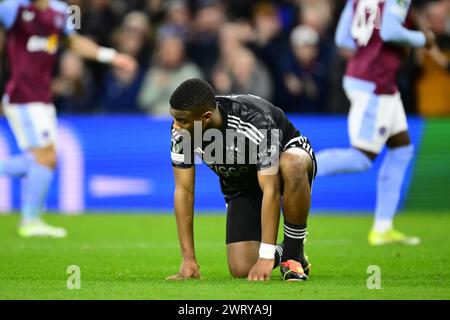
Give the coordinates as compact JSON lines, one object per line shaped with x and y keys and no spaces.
{"x":280,"y":50}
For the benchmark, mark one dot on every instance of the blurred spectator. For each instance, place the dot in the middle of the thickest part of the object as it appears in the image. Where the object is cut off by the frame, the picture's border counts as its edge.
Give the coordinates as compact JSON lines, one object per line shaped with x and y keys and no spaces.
{"x":239,"y":8}
{"x":178,"y":20}
{"x":98,"y":20}
{"x":119,"y":91}
{"x":269,"y":42}
{"x":133,"y":37}
{"x":433,"y":83}
{"x":202,"y":45}
{"x":264,"y":27}
{"x":318,"y":14}
{"x":242,"y":73}
{"x":120,"y":88}
{"x":233,"y":36}
{"x":3,"y":71}
{"x":168,"y":71}
{"x":336,"y":100}
{"x":156,"y":11}
{"x":304,"y":76}
{"x":72,"y":87}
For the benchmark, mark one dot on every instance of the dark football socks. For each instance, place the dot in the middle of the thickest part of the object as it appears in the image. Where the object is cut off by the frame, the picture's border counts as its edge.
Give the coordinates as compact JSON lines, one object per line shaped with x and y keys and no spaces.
{"x":293,"y":242}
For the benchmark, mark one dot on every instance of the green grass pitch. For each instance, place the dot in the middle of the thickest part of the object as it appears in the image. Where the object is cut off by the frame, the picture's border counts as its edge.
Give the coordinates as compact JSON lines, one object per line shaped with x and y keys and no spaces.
{"x":128,"y":257}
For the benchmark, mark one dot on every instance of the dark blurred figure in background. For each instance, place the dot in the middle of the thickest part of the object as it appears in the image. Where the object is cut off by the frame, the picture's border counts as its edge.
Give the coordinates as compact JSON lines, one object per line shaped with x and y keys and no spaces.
{"x":3,"y":67}
{"x":202,"y":45}
{"x":238,"y":70}
{"x":73,"y":87}
{"x":120,"y":88}
{"x":169,"y":69}
{"x":269,"y":42}
{"x":99,"y":19}
{"x":264,"y":27}
{"x":433,"y":82}
{"x":178,"y":20}
{"x":304,"y":75}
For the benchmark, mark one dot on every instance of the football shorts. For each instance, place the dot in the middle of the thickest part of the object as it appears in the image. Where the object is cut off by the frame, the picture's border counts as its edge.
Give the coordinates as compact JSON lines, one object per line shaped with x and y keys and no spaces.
{"x":34,"y":125}
{"x":373,"y":119}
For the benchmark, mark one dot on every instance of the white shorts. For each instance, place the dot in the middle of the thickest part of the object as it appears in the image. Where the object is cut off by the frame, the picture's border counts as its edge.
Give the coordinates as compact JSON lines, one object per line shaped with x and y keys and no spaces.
{"x":373,"y":119}
{"x":34,"y":124}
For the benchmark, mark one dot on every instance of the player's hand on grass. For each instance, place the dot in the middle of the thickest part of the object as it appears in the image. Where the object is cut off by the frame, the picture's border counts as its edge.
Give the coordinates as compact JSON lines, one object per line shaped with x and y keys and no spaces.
{"x":189,"y":269}
{"x":261,"y":270}
{"x":124,"y":62}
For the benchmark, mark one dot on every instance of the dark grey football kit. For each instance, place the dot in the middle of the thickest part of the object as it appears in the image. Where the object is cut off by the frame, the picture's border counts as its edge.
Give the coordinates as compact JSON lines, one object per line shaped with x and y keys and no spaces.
{"x":261,"y":125}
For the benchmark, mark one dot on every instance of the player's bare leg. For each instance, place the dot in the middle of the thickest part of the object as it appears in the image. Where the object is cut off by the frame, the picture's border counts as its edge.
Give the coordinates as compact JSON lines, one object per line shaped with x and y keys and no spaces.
{"x":296,"y":168}
{"x":399,"y":140}
{"x":45,"y":156}
{"x":242,"y":256}
{"x":390,"y":179}
{"x":372,"y":156}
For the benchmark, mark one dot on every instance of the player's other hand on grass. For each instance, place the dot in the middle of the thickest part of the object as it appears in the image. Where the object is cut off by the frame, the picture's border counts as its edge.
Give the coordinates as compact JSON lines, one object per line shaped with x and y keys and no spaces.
{"x":189,"y":269}
{"x":261,"y":270}
{"x":124,"y":62}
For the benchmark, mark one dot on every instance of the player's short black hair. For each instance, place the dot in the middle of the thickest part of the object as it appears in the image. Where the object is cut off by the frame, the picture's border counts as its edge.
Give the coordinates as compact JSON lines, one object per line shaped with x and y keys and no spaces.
{"x":195,"y":95}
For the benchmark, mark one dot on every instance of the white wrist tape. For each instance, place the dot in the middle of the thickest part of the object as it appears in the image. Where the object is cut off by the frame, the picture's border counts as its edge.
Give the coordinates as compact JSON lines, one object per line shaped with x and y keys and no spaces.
{"x":106,"y":55}
{"x":267,"y":251}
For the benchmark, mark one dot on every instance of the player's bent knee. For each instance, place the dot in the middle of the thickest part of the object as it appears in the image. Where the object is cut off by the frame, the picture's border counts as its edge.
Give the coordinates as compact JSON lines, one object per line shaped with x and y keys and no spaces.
{"x":295,"y":166}
{"x":239,"y":268}
{"x":49,"y":161}
{"x":242,"y":256}
{"x":239,"y":271}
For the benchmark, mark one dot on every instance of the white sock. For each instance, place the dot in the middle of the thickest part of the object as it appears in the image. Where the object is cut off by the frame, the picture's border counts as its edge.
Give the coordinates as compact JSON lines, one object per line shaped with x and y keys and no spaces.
{"x":382,"y":225}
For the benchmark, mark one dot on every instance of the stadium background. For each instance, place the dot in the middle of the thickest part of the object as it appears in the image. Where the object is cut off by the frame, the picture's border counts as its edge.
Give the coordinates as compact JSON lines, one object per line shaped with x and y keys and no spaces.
{"x":114,"y":136}
{"x":105,"y":167}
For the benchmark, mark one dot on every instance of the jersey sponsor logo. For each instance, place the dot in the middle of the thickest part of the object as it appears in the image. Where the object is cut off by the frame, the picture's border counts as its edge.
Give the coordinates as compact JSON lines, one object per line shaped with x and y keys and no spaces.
{"x":43,"y":44}
{"x":229,"y":171}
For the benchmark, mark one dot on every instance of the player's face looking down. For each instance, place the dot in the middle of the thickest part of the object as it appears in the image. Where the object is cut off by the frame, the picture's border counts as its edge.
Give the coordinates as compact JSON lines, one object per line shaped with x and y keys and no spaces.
{"x":184,"y":119}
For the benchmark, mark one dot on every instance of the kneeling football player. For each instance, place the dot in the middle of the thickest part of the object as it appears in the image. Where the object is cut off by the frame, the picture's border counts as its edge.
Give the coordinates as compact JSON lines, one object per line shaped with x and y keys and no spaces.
{"x":265,"y":165}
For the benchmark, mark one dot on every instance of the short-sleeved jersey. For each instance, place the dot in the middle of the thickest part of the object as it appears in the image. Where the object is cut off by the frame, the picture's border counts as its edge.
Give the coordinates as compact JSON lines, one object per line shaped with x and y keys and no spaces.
{"x":253,"y":121}
{"x":33,"y":37}
{"x":374,"y":60}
